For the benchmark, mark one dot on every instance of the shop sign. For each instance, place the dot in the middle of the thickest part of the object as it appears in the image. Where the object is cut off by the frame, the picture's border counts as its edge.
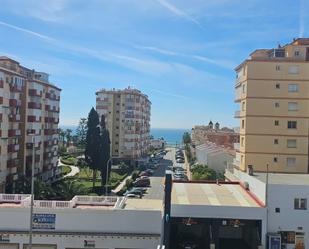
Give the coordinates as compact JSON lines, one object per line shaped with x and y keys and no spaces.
{"x":4,"y":238}
{"x":288,"y":237}
{"x":89,"y":243}
{"x":43,"y":221}
{"x":274,"y":241}
{"x":300,"y":241}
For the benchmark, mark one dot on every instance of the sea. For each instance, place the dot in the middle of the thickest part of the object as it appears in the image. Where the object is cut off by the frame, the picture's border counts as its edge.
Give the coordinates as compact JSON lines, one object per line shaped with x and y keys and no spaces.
{"x":171,"y":136}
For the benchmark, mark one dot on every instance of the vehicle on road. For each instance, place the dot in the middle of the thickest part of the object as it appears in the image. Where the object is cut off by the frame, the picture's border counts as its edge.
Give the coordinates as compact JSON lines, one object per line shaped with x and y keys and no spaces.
{"x":143,"y":190}
{"x":149,"y":171}
{"x":131,"y":195}
{"x":177,"y":168}
{"x":135,"y":192}
{"x":141,"y":182}
{"x":180,"y":160}
{"x":179,"y":157}
{"x":145,"y":173}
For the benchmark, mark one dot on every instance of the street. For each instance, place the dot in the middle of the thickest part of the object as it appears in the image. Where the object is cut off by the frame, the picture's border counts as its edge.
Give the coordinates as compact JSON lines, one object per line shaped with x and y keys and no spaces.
{"x":156,"y":190}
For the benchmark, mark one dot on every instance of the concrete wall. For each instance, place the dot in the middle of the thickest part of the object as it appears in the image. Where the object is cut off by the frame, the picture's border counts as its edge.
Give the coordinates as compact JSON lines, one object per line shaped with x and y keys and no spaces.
{"x":289,"y":219}
{"x":114,"y":228}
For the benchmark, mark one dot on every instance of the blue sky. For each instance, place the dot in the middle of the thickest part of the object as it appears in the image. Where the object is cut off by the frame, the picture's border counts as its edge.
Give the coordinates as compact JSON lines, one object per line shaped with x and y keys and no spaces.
{"x":181,"y":53}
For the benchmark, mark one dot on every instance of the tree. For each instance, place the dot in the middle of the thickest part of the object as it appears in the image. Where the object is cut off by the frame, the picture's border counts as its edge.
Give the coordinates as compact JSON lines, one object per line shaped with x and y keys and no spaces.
{"x":68,"y":136}
{"x":186,"y":138}
{"x":93,"y":143}
{"x":104,"y":152}
{"x":68,"y":188}
{"x":62,"y":136}
{"x":202,"y":172}
{"x":81,"y":132}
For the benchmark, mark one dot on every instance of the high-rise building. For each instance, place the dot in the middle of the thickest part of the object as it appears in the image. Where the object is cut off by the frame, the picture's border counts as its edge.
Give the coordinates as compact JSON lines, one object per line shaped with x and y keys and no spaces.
{"x":29,"y":111}
{"x":272,"y":88}
{"x":127,"y":114}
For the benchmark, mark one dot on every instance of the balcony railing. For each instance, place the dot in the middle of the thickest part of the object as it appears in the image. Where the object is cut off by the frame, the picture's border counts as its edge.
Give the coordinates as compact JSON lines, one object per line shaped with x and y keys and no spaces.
{"x":13,"y":148}
{"x":237,"y":114}
{"x":14,"y":117}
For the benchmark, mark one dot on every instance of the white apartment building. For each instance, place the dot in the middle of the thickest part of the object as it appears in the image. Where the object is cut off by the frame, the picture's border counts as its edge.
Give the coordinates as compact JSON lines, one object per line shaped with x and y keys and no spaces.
{"x":127,"y":114}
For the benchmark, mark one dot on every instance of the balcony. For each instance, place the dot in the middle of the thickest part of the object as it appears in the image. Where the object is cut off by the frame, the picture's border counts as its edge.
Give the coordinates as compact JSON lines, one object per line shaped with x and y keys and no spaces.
{"x":237,"y":114}
{"x":34,"y":93}
{"x":14,"y":117}
{"x":14,"y":102}
{"x":16,"y":88}
{"x":1,"y":83}
{"x":29,"y":159}
{"x":13,"y":148}
{"x":13,"y":163}
{"x":52,"y":96}
{"x":34,"y":105}
{"x":14,"y":132}
{"x":34,"y":119}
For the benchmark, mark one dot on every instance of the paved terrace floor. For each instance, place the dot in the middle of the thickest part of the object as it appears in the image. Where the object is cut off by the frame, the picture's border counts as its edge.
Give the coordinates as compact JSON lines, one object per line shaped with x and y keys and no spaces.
{"x":211,"y":194}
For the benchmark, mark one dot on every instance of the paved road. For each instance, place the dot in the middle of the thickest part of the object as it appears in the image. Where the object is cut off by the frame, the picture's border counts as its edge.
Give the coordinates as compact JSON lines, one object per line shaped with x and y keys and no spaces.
{"x":156,"y":191}
{"x":74,"y":169}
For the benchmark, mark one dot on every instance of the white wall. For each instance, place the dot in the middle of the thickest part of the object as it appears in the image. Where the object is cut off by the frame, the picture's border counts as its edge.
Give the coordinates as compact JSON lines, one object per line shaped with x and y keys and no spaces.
{"x":289,"y":219}
{"x":219,"y":161}
{"x":94,"y":221}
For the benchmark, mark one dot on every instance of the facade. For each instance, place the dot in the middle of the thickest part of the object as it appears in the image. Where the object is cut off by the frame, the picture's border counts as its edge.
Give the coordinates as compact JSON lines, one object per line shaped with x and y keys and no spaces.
{"x":286,"y":199}
{"x":215,"y":157}
{"x":272,"y":88}
{"x":127,"y":114}
{"x":83,"y":222}
{"x":213,"y":133}
{"x":29,"y":105}
{"x":157,"y":143}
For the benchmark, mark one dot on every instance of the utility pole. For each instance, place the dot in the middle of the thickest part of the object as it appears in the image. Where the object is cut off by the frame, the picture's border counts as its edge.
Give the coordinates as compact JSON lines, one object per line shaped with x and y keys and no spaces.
{"x":32,"y":191}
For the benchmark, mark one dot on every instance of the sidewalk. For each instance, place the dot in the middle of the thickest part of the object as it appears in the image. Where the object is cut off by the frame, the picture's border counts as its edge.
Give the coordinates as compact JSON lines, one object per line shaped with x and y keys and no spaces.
{"x":121,"y":185}
{"x":74,"y":170}
{"x":187,"y":167}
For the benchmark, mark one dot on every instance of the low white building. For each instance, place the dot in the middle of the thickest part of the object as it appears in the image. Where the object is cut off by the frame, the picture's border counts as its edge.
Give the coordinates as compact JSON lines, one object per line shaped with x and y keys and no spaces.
{"x":157,"y":143}
{"x":215,"y":157}
{"x":83,"y":222}
{"x":286,"y":199}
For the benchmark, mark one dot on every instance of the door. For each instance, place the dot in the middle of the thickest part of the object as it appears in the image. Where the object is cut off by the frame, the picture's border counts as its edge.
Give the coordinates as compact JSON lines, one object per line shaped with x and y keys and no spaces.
{"x":307,"y":54}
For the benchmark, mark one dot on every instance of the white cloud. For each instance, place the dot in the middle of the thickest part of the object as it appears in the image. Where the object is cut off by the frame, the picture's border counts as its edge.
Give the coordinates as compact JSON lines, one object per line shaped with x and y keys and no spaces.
{"x":30,"y":32}
{"x":172,"y":8}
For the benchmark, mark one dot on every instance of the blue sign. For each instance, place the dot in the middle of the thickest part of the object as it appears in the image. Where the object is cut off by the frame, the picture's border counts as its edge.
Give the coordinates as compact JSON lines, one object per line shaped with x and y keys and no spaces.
{"x":274,"y":242}
{"x":43,"y":221}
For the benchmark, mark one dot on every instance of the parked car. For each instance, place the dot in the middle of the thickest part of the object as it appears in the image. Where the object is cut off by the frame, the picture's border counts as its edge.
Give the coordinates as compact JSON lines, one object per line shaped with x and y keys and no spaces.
{"x":141,"y":182}
{"x":179,"y":157}
{"x":131,"y":195}
{"x":134,"y":191}
{"x":143,"y":177}
{"x":144,"y":173}
{"x":149,"y":171}
{"x":142,"y":190}
{"x":177,"y":168}
{"x":180,"y":160}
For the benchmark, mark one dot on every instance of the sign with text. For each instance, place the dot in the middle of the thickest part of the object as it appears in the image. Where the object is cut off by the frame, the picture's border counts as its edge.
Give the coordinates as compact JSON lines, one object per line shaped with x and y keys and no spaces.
{"x":43,"y":221}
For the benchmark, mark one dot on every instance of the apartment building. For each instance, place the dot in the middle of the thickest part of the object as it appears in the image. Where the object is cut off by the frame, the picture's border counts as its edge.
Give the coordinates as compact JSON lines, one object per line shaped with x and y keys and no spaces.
{"x":29,"y":111}
{"x":127,"y":115}
{"x":272,"y":88}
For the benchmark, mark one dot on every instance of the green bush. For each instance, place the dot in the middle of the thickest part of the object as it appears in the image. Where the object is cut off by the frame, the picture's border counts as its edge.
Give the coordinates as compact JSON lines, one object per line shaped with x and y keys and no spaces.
{"x":69,"y":160}
{"x":202,"y":172}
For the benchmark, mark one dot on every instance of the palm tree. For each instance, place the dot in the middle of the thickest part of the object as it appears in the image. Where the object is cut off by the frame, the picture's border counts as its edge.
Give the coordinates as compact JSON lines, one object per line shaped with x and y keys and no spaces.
{"x":69,"y":188}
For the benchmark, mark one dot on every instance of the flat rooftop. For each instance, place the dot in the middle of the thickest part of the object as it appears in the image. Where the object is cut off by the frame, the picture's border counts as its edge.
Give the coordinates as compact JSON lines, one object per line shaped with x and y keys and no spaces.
{"x":286,"y":179}
{"x":144,"y":204}
{"x":211,"y":194}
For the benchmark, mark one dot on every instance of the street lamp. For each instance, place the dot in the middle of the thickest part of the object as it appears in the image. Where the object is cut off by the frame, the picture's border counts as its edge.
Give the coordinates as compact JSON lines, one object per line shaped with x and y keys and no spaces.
{"x":32,"y":189}
{"x":107,"y":166}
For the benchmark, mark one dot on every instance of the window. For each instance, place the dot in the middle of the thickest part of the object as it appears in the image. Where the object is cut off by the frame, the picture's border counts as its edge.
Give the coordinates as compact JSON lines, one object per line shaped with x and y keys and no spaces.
{"x":242,"y":141}
{"x":277,"y":210}
{"x":278,"y":68}
{"x":293,"y":69}
{"x":117,"y":135}
{"x":117,"y":127}
{"x":276,"y":122}
{"x":291,"y":143}
{"x":292,"y":124}
{"x":243,"y":124}
{"x":277,"y":105}
{"x":276,"y":141}
{"x":117,"y":103}
{"x":291,"y":161}
{"x":275,"y":159}
{"x":243,"y":105}
{"x":293,"y":88}
{"x":300,"y":203}
{"x":244,"y":88}
{"x":293,"y":106}
{"x":277,"y":85}
{"x":296,"y":53}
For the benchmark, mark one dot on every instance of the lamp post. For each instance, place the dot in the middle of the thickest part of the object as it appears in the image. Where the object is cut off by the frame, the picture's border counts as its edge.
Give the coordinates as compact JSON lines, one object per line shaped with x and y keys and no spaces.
{"x":32,"y":190}
{"x":107,"y":166}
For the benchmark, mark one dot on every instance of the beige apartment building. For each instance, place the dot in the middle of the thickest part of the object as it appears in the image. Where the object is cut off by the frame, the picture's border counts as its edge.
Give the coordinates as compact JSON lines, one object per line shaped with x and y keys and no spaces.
{"x":29,"y":111}
{"x":127,"y":114}
{"x":272,"y":88}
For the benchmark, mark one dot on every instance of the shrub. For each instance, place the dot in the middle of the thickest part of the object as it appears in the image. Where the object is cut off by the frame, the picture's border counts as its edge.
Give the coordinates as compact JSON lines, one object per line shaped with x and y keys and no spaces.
{"x":69,"y":160}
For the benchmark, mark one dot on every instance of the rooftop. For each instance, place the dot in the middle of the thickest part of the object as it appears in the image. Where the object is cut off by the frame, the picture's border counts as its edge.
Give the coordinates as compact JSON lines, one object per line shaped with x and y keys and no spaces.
{"x":211,"y":194}
{"x":286,"y":179}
